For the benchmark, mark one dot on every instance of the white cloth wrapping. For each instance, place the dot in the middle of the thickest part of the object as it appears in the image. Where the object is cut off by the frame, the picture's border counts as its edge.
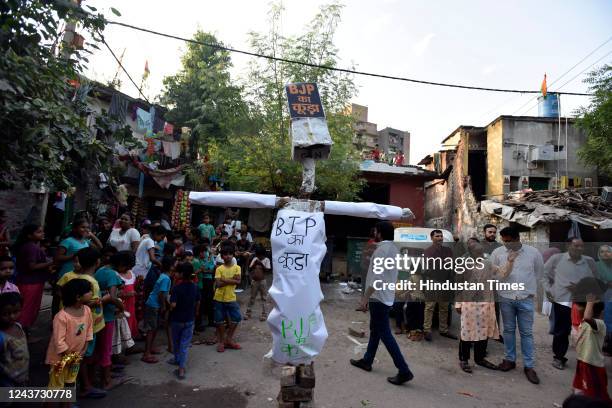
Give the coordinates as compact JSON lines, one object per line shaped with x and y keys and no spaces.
{"x":363,"y":210}
{"x":254,"y":200}
{"x":296,"y":322}
{"x":233,"y":199}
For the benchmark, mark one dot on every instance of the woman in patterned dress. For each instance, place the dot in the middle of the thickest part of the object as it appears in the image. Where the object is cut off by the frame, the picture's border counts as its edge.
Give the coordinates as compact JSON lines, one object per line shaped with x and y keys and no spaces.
{"x":477,"y":308}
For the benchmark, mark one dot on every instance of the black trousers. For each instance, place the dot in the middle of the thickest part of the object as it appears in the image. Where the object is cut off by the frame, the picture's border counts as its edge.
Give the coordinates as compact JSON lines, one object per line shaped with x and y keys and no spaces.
{"x":206,"y":302}
{"x":399,"y":314}
{"x":480,"y":350}
{"x":562,"y":327}
{"x":415,"y":314}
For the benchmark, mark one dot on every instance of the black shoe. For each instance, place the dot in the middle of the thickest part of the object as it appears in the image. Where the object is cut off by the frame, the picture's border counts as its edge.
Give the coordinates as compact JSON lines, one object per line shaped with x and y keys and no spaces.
{"x":487,"y":364}
{"x":506,"y":365}
{"x":361,"y":364}
{"x":531,"y":376}
{"x":400,"y":378}
{"x":448,"y":336}
{"x":427,"y":336}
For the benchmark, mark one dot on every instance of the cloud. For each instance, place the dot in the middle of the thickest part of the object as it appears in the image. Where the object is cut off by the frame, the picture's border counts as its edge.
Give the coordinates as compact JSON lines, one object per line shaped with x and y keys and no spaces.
{"x":420,"y":47}
{"x":489,"y":69}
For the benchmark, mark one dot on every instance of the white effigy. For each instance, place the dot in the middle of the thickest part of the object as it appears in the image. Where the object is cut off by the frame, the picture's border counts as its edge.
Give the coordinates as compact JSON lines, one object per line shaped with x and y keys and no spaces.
{"x":296,"y":322}
{"x":298,"y":248}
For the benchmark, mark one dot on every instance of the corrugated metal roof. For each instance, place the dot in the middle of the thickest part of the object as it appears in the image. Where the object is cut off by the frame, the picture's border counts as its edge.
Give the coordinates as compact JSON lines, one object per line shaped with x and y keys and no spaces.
{"x":371,"y":166}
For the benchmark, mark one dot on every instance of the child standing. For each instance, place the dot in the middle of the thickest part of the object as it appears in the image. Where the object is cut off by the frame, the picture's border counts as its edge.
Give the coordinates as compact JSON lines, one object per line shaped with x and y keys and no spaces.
{"x":206,"y":229}
{"x":258,"y":286}
{"x":227,"y":277}
{"x":72,"y":330}
{"x":110,"y":282}
{"x":591,"y":379}
{"x":6,"y":271}
{"x":80,"y":237}
{"x":14,"y":355}
{"x":204,"y":265}
{"x":184,"y":302}
{"x":88,"y":260}
{"x":155,"y":307}
{"x":33,"y":269}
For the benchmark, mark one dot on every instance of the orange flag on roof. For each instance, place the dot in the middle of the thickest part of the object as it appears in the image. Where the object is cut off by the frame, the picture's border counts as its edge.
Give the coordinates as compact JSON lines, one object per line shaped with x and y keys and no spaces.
{"x":543,"y":87}
{"x":146,"y":70}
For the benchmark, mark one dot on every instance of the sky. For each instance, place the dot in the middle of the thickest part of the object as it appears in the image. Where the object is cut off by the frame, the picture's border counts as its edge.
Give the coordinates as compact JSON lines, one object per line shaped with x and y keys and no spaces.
{"x":481,"y":43}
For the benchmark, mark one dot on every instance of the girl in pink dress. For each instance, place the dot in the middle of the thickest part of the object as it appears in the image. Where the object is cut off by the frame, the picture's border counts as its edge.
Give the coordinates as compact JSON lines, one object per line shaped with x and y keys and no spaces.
{"x":128,"y":296}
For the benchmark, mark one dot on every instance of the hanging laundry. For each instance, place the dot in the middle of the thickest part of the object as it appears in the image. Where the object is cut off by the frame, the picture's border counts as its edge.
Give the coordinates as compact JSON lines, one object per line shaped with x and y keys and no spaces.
{"x":143,"y":119}
{"x":168,"y":128}
{"x":172,"y":149}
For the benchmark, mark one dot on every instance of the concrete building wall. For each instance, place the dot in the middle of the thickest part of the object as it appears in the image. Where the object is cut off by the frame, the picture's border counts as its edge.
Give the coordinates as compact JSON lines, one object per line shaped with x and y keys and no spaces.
{"x":520,"y":136}
{"x":22,"y":207}
{"x":394,"y":140}
{"x":495,"y":175}
{"x":404,"y":192}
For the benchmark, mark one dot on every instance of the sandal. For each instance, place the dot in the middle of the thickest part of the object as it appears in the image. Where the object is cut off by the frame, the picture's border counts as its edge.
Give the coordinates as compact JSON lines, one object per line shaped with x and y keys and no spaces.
{"x":118,"y":383}
{"x":210,"y":342}
{"x":465,"y":366}
{"x":263,"y":318}
{"x":220,"y":348}
{"x":149,"y":360}
{"x":233,"y":346}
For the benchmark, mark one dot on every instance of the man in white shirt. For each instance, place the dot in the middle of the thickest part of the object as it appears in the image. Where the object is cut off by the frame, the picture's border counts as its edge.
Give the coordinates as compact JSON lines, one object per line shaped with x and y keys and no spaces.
{"x":561,"y":273}
{"x":517,"y":306}
{"x":378,"y":298}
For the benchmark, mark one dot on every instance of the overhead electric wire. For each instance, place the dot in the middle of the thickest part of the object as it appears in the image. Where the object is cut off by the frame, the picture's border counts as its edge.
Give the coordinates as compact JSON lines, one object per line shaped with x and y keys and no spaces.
{"x":553,"y":82}
{"x":326,"y":67}
{"x":125,"y":70}
{"x":567,"y":82}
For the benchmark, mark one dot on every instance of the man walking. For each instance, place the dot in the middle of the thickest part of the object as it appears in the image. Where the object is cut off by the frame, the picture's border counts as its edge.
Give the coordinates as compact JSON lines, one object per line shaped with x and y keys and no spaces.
{"x":561,"y":273}
{"x":517,"y":305}
{"x":379,"y":301}
{"x":438,"y":274}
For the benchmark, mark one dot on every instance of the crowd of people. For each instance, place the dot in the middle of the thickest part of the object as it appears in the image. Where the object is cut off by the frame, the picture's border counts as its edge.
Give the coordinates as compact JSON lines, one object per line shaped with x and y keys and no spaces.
{"x":577,"y":289}
{"x":114,"y":285}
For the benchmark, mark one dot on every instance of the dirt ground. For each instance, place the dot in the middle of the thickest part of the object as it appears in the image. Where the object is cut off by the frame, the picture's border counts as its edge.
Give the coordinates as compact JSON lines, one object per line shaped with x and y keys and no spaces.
{"x":245,"y":378}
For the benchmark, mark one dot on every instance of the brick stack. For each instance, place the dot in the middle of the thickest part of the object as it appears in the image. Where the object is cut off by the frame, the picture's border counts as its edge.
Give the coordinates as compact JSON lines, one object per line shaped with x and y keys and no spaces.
{"x":297,"y":386}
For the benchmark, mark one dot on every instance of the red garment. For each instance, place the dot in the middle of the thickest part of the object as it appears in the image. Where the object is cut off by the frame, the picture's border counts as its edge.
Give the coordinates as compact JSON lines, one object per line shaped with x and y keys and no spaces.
{"x":576,"y":317}
{"x":31,"y":293}
{"x":591,"y":380}
{"x":129,"y":303}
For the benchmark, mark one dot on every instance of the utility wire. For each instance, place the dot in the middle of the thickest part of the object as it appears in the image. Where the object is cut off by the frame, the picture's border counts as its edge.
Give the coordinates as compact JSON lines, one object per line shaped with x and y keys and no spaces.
{"x":553,"y":82}
{"x":327,"y":67}
{"x":124,"y":70}
{"x":567,"y":82}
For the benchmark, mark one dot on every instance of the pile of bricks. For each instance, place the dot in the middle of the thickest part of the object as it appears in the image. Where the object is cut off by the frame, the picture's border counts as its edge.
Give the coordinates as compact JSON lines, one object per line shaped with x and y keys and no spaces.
{"x":297,"y":386}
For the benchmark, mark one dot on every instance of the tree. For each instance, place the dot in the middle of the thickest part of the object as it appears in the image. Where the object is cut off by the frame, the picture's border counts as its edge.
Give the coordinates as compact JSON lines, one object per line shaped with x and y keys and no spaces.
{"x":202,"y":95}
{"x":45,"y":137}
{"x":596,"y":120}
{"x":259,"y":160}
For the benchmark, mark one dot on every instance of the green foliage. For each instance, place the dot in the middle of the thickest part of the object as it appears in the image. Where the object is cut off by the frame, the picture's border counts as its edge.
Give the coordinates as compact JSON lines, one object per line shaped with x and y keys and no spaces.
{"x":44,"y":133}
{"x":202,"y":96}
{"x":260,"y":160}
{"x":596,"y":120}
